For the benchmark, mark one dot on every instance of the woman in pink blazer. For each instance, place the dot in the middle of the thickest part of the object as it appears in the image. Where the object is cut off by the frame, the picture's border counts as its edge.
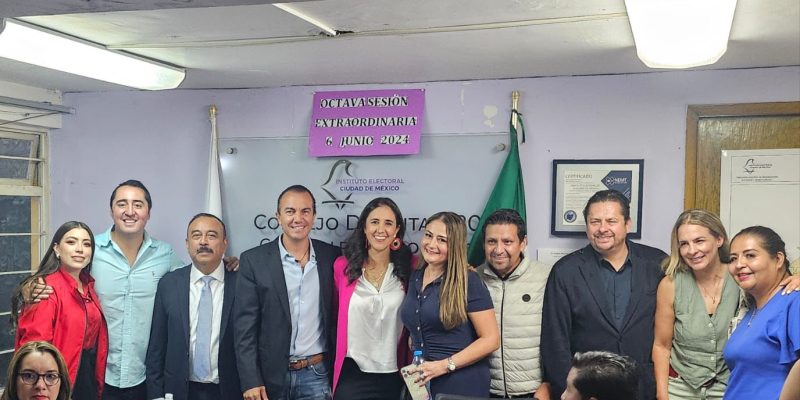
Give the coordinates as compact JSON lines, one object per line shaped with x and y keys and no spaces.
{"x":370,"y":282}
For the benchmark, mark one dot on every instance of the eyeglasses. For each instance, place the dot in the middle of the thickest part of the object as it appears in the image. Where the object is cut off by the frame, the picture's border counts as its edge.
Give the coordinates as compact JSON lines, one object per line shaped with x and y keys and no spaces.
{"x":30,"y":378}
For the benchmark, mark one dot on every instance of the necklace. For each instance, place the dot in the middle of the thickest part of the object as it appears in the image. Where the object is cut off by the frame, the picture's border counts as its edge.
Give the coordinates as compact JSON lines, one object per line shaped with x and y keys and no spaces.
{"x":375,"y":280}
{"x":300,"y":260}
{"x":713,"y":296}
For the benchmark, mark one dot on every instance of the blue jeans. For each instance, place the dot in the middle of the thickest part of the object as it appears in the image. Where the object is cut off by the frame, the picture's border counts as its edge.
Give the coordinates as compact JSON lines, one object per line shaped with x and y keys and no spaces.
{"x":309,"y":383}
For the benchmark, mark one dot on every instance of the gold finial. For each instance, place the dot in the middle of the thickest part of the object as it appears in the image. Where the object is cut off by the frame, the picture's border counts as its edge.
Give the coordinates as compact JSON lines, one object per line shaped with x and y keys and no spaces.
{"x":212,"y":111}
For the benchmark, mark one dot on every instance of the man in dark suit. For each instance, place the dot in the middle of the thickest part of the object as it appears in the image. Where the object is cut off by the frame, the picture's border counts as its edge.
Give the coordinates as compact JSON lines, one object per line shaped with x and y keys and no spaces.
{"x":602,"y":297}
{"x":191,"y":352}
{"x":283,"y":312}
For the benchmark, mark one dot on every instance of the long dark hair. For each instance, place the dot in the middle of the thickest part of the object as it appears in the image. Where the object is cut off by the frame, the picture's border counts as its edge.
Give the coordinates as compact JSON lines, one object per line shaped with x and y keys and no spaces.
{"x":50,"y":263}
{"x":355,"y":249}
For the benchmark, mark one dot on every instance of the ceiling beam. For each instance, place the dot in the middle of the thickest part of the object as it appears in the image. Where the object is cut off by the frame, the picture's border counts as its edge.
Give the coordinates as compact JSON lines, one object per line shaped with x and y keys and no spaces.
{"x":27,"y":8}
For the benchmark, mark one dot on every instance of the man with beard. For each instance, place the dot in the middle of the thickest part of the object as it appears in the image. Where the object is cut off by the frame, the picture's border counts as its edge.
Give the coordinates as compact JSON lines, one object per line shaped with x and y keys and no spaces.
{"x":602,"y":297}
{"x":191,"y":351}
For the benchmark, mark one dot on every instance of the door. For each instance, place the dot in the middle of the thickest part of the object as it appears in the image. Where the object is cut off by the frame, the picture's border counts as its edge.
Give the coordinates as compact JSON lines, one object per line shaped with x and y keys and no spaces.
{"x":713,"y":128}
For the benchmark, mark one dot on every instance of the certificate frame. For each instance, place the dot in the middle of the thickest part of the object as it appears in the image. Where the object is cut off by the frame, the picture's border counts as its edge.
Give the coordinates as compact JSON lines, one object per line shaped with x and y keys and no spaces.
{"x":575,"y":181}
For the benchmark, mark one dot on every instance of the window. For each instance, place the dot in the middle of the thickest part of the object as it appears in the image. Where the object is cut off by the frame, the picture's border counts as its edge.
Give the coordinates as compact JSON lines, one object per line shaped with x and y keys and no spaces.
{"x":23,"y":175}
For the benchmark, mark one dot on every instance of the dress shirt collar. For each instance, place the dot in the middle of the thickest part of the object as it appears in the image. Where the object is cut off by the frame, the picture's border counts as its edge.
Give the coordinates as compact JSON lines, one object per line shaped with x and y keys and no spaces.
{"x":286,"y":256}
{"x":104,"y":239}
{"x":600,"y":261}
{"x":218,"y":273}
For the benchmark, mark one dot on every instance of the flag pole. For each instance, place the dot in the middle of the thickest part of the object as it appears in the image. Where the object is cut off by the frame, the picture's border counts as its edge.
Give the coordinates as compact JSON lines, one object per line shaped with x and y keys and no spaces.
{"x":213,"y":189}
{"x":514,"y":104}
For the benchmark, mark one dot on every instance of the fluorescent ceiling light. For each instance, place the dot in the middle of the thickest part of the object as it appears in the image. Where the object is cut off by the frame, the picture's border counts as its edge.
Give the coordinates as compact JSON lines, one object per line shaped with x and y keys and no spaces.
{"x":311,"y":20}
{"x":39,"y":46}
{"x":680,"y":33}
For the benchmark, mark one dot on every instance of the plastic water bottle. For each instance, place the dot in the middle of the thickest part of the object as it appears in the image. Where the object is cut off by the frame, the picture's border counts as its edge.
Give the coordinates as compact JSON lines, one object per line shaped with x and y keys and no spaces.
{"x":417,"y":361}
{"x":417,"y":358}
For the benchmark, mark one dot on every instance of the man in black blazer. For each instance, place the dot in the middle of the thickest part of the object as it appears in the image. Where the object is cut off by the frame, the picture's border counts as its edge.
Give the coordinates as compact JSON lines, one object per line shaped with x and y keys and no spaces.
{"x":602,"y":297}
{"x":191,"y":352}
{"x":283,"y":312}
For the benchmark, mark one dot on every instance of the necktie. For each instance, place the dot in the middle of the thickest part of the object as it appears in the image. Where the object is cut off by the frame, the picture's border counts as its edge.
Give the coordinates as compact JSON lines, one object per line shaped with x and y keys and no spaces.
{"x":202,"y":346}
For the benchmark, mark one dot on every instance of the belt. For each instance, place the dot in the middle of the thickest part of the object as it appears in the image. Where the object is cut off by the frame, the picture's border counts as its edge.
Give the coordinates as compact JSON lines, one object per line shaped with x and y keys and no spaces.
{"x":708,"y":383}
{"x":295,"y":365}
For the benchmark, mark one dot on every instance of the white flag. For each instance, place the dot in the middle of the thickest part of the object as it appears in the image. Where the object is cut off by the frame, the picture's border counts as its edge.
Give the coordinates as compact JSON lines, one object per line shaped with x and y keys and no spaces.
{"x":214,"y":190}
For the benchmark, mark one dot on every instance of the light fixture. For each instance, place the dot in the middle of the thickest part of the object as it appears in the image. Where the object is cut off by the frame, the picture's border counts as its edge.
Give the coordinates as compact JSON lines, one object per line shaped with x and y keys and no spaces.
{"x":680,"y":33}
{"x":311,"y":20}
{"x":39,"y":46}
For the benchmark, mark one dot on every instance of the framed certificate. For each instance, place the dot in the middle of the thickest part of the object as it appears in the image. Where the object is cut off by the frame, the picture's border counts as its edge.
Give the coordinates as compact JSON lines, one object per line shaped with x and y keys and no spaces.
{"x":575,"y":181}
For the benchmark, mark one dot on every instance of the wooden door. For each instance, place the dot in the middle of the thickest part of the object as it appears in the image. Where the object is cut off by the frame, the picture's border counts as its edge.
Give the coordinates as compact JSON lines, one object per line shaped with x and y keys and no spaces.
{"x":713,"y":128}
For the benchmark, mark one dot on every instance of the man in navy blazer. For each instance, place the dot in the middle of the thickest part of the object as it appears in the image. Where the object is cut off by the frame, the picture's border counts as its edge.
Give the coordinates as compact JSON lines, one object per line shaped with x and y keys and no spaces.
{"x":191,"y":352}
{"x":602,"y":297}
{"x":283,"y":312}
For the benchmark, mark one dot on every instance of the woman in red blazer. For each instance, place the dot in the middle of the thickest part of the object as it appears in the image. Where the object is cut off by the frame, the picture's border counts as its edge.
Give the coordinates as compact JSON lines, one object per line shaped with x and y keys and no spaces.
{"x":71,"y":318}
{"x":370,"y":281}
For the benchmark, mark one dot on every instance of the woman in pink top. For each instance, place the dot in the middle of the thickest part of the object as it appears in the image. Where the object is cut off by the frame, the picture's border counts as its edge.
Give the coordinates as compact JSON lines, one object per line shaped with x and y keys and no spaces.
{"x":370,"y":282}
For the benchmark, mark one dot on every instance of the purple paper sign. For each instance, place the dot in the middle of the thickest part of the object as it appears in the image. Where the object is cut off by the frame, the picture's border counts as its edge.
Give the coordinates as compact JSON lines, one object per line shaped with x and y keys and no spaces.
{"x":366,"y":123}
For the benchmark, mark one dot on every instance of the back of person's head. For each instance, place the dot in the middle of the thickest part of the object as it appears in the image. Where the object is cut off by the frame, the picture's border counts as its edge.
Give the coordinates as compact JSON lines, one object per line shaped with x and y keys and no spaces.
{"x":15,"y":366}
{"x":603,"y":375}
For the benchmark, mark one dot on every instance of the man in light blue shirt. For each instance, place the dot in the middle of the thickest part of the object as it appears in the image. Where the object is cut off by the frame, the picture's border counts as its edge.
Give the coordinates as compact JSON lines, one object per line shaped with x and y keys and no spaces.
{"x":286,"y":283}
{"x":128,"y":263}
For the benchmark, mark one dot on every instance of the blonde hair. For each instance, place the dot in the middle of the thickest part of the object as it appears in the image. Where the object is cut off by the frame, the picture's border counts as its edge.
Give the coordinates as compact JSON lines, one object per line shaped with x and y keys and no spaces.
{"x":453,"y":292}
{"x":674,"y":263}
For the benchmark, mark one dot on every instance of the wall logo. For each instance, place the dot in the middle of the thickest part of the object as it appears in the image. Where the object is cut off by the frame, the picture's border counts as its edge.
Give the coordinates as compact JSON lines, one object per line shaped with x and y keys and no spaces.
{"x":342,"y":183}
{"x":751,"y":166}
{"x":336,"y":170}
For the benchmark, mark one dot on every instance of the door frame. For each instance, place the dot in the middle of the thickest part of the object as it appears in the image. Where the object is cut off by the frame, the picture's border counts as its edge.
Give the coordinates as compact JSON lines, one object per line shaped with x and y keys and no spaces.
{"x":695,"y":113}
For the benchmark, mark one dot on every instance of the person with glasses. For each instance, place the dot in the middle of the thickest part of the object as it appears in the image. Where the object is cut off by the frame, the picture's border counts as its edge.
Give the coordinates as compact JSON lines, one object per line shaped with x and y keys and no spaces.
{"x":71,"y":317}
{"x":35,"y":372}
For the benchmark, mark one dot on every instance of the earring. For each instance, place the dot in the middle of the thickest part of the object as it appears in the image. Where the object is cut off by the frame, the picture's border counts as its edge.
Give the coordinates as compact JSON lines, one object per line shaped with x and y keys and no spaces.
{"x":396,"y":243}
{"x":58,"y":256}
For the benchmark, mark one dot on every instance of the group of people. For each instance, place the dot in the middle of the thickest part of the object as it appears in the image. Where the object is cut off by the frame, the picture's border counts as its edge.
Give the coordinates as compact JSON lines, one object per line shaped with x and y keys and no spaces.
{"x":301,"y":319}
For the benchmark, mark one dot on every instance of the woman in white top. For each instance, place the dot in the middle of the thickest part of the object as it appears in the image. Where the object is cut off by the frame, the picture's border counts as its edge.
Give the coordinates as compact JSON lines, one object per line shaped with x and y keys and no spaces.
{"x":370,"y":282}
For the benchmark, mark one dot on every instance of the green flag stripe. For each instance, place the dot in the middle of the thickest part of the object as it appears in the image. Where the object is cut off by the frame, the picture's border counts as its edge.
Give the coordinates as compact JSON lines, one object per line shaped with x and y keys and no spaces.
{"x":508,"y":192}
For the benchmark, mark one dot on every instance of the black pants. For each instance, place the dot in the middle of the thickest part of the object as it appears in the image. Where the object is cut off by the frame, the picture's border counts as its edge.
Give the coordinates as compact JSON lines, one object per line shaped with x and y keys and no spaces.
{"x":204,"y":391}
{"x":138,"y":392}
{"x":85,"y":380}
{"x":357,"y":385}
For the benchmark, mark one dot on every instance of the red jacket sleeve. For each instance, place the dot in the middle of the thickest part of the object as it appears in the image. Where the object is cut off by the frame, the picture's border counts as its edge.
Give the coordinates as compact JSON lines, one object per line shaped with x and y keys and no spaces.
{"x":37,"y":321}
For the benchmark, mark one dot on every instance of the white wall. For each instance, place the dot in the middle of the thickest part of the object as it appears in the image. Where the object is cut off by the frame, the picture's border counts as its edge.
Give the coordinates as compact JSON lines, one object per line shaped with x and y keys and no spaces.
{"x":161,"y":138}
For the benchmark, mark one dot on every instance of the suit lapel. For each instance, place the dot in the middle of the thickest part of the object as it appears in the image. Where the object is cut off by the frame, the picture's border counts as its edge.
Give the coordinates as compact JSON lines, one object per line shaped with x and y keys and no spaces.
{"x":227,"y":301}
{"x":274,"y":269}
{"x":595,"y":284}
{"x":638,"y":286}
{"x":182,"y":292}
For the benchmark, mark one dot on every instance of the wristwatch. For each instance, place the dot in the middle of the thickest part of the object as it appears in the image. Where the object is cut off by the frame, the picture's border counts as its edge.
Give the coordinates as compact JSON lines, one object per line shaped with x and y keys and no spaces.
{"x":451,"y":366}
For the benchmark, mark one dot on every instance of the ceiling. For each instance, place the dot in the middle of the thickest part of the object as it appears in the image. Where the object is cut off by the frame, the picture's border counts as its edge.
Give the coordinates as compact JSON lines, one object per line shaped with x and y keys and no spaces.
{"x":244,"y":44}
